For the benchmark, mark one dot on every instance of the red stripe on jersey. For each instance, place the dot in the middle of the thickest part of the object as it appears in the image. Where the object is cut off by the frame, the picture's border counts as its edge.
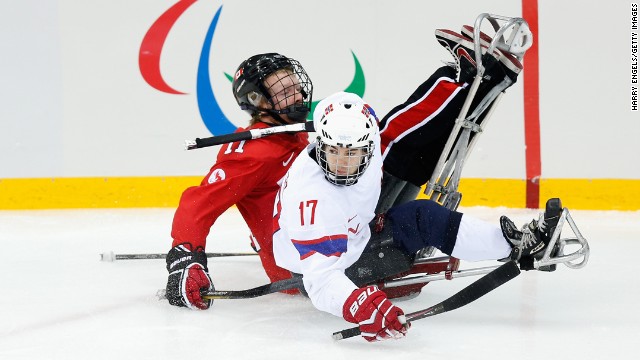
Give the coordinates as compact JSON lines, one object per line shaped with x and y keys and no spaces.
{"x":418,"y":113}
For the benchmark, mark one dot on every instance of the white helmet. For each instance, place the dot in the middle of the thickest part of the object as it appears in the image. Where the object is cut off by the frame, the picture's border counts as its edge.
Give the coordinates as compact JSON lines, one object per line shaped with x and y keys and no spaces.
{"x":346,"y":129}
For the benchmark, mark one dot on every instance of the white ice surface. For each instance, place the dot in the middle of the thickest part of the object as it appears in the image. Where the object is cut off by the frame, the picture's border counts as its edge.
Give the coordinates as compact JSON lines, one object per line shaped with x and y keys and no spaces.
{"x":59,"y":301}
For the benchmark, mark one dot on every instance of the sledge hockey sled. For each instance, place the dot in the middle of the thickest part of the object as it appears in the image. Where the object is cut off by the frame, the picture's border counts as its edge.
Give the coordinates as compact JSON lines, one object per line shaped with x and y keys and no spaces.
{"x":512,"y":38}
{"x":443,"y":185}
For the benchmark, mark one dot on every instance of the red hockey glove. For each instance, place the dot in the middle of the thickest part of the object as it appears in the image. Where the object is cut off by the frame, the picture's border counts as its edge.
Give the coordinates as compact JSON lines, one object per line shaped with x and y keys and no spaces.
{"x":188,"y":276}
{"x":378,"y":318}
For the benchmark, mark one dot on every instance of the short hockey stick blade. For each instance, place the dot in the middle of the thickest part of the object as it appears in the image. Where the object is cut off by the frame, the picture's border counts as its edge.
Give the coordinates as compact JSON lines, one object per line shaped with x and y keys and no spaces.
{"x":293,"y":283}
{"x":248,"y":135}
{"x":473,"y":292}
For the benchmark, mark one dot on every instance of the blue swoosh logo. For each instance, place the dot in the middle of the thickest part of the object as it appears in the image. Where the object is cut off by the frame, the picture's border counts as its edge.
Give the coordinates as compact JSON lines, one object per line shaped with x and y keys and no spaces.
{"x":210,"y":111}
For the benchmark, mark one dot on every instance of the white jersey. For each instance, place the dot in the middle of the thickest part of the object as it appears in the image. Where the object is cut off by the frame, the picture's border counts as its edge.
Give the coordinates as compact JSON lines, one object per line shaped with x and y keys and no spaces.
{"x":321,"y":229}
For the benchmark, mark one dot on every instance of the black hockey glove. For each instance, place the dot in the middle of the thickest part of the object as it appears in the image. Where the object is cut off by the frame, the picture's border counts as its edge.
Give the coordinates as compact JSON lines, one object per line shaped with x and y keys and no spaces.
{"x":188,"y":277}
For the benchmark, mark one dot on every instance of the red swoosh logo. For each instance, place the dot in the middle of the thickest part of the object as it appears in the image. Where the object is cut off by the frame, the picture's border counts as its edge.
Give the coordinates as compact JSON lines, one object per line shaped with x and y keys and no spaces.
{"x":463,"y":52}
{"x":355,"y":231}
{"x":151,"y":47}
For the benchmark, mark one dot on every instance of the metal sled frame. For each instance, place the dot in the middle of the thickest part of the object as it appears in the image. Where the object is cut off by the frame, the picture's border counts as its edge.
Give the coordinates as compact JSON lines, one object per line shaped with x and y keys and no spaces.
{"x":445,"y":179}
{"x":574,"y":260}
{"x":443,"y":185}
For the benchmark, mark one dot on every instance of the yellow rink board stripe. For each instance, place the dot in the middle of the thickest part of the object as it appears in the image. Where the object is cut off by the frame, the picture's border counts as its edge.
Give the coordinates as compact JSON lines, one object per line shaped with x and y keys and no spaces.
{"x":132,"y":192}
{"x":111,"y":192}
{"x":583,"y":194}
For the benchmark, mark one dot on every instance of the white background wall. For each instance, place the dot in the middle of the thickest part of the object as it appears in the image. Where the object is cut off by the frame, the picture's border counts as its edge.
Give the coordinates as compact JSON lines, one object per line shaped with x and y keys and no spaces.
{"x":73,"y":102}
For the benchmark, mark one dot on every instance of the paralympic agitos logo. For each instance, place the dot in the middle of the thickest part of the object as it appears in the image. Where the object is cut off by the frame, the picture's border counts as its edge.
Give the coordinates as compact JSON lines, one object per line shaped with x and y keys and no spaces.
{"x":210,"y":112}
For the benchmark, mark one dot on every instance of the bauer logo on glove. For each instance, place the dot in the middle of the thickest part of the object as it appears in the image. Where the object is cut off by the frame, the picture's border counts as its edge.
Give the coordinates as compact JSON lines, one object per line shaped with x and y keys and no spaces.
{"x":188,"y":278}
{"x":376,"y":316}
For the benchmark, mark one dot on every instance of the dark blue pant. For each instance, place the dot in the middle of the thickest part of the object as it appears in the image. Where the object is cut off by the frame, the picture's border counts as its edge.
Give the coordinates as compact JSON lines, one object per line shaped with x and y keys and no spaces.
{"x":421,"y":223}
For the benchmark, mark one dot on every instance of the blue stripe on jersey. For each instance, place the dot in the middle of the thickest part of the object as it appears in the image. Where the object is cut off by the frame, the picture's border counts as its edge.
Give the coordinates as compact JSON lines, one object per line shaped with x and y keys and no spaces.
{"x":332,"y":245}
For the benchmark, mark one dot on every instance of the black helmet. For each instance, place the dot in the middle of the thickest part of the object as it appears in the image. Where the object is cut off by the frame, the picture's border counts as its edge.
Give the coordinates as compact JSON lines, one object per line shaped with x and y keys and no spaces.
{"x":250,"y":89}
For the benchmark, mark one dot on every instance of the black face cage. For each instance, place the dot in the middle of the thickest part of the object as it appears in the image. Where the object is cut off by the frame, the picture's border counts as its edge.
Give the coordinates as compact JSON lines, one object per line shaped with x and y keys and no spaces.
{"x":362,"y":161}
{"x":251,"y":79}
{"x":296,"y":111}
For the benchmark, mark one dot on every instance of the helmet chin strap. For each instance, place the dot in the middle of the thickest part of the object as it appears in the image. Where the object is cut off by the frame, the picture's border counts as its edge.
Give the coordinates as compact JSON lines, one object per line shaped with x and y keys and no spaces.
{"x":277,"y":117}
{"x":293,"y":114}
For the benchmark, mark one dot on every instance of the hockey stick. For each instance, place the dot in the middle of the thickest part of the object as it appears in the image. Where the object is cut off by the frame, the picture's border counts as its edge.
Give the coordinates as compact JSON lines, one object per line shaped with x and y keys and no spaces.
{"x":473,"y":292}
{"x":248,"y":135}
{"x":111,"y":257}
{"x":293,"y":283}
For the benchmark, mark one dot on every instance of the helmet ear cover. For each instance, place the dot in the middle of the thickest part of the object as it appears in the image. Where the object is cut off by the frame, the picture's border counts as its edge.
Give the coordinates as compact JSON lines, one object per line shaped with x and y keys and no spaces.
{"x":254,"y":98}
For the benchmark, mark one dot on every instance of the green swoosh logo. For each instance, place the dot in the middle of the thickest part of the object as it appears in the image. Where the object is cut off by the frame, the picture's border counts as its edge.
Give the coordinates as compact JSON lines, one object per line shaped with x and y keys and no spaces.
{"x":357,"y":86}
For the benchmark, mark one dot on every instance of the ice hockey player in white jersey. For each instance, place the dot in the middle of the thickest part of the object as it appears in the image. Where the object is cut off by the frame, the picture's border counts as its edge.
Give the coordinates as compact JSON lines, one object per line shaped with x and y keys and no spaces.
{"x":327,"y":199}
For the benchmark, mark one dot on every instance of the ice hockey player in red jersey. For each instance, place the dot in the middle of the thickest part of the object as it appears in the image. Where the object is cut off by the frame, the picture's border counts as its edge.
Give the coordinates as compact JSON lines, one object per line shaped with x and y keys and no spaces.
{"x":275,"y":90}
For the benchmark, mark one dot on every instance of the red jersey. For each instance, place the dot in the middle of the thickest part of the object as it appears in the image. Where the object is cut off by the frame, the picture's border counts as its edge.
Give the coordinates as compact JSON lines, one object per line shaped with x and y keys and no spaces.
{"x":246,"y":174}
